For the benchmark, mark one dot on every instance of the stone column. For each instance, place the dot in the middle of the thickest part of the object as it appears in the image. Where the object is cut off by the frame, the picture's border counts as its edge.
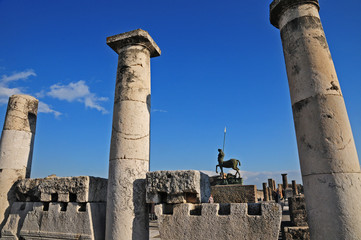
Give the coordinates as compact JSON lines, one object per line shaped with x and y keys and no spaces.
{"x":265,"y":192}
{"x":328,"y":158}
{"x":284,"y":180}
{"x":270,"y":183}
{"x":127,"y":213}
{"x":294,"y":188}
{"x":16,"y":147}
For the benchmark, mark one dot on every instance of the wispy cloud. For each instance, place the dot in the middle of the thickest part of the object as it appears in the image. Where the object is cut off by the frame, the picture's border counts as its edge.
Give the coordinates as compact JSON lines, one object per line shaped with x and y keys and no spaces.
{"x":6,"y":91}
{"x":159,"y":110}
{"x":18,"y":76}
{"x":45,"y":108}
{"x":77,"y":91}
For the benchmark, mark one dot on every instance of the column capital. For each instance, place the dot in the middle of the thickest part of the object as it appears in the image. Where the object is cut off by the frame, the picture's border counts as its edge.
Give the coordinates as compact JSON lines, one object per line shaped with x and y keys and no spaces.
{"x":278,"y":7}
{"x":135,"y":37}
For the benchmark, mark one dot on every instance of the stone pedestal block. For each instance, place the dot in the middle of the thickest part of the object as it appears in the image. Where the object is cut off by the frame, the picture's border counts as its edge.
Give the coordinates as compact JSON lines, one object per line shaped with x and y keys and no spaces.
{"x":177,"y":187}
{"x":328,"y":158}
{"x":234,"y":193}
{"x":16,"y":147}
{"x":219,"y":221}
{"x":127,"y":213}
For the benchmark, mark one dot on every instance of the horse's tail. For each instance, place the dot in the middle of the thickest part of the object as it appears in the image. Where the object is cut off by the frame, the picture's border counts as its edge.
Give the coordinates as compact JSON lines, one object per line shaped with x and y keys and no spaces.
{"x":239,"y":163}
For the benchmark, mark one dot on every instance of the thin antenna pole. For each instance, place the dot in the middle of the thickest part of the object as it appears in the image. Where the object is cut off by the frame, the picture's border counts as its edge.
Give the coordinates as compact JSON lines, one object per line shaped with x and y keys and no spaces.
{"x":224,"y":138}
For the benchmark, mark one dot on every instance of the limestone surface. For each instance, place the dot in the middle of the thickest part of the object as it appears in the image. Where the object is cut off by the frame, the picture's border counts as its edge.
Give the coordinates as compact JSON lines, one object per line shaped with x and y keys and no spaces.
{"x":296,"y":233}
{"x":234,"y":193}
{"x":62,"y":189}
{"x":177,"y":187}
{"x":37,"y":220}
{"x":207,"y":221}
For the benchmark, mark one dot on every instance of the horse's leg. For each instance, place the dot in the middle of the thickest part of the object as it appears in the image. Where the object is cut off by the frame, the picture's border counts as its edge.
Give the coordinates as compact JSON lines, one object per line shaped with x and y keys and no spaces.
{"x":217,"y":168}
{"x":221,"y":167}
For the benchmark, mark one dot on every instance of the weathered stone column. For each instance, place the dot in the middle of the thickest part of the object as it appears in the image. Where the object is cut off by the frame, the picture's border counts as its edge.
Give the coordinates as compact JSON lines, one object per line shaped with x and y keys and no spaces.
{"x":127,"y":213}
{"x":284,"y":180}
{"x":265,"y":192}
{"x":294,"y":188}
{"x":328,"y":158}
{"x":16,"y":147}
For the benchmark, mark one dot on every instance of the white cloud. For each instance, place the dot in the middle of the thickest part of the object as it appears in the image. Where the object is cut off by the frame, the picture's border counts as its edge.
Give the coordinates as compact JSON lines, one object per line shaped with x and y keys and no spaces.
{"x":17,"y":76}
{"x":6,"y":91}
{"x":77,"y":91}
{"x":45,"y":108}
{"x":159,"y":110}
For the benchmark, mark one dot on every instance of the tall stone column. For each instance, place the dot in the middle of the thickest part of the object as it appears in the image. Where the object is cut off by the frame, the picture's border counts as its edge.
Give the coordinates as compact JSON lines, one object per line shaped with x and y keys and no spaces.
{"x":284,"y":180}
{"x":328,"y":158}
{"x":127,"y":213}
{"x":16,"y":147}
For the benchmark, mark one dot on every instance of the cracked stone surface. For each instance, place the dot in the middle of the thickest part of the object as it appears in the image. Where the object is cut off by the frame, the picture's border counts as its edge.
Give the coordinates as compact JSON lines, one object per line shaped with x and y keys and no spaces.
{"x":129,"y":148}
{"x":328,"y":158}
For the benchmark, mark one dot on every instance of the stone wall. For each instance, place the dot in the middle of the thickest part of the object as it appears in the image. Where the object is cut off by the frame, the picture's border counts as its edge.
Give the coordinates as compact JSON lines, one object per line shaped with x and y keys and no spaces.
{"x":58,"y":208}
{"x":207,"y":221}
{"x":234,"y":193}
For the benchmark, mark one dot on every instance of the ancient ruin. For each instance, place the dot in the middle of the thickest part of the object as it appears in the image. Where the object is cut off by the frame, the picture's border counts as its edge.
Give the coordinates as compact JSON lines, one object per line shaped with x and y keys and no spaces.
{"x":189,"y":204}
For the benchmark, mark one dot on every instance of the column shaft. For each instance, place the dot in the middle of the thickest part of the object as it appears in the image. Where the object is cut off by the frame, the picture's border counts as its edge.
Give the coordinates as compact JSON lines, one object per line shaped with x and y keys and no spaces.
{"x":265,"y":192}
{"x":127,"y":212}
{"x":284,"y":180}
{"x":328,"y":158}
{"x":16,"y":147}
{"x":294,"y":188}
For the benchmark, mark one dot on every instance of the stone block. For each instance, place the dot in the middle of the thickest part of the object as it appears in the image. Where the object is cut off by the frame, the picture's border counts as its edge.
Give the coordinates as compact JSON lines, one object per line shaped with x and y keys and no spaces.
{"x":207,"y":221}
{"x":297,"y":208}
{"x":177,"y":187}
{"x":37,"y":220}
{"x":62,"y":189}
{"x":234,"y":193}
{"x":296,"y":233}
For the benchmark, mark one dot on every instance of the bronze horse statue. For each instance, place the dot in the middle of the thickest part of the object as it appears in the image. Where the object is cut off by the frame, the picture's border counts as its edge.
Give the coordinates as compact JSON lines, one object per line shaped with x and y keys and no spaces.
{"x":231,"y":163}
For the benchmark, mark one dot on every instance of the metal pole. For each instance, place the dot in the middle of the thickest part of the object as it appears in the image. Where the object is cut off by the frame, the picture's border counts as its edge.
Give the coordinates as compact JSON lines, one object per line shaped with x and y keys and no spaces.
{"x":224,"y":138}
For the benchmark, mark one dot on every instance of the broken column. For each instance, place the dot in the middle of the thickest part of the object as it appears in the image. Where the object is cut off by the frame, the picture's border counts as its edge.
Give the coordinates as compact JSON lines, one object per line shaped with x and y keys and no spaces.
{"x":16,"y":147}
{"x":328,"y":158}
{"x":127,"y":213}
{"x":265,"y":192}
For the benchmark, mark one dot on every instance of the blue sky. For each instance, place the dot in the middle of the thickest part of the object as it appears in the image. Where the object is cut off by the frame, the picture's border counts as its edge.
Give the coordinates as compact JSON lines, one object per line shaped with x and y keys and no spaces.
{"x":221,"y":65}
